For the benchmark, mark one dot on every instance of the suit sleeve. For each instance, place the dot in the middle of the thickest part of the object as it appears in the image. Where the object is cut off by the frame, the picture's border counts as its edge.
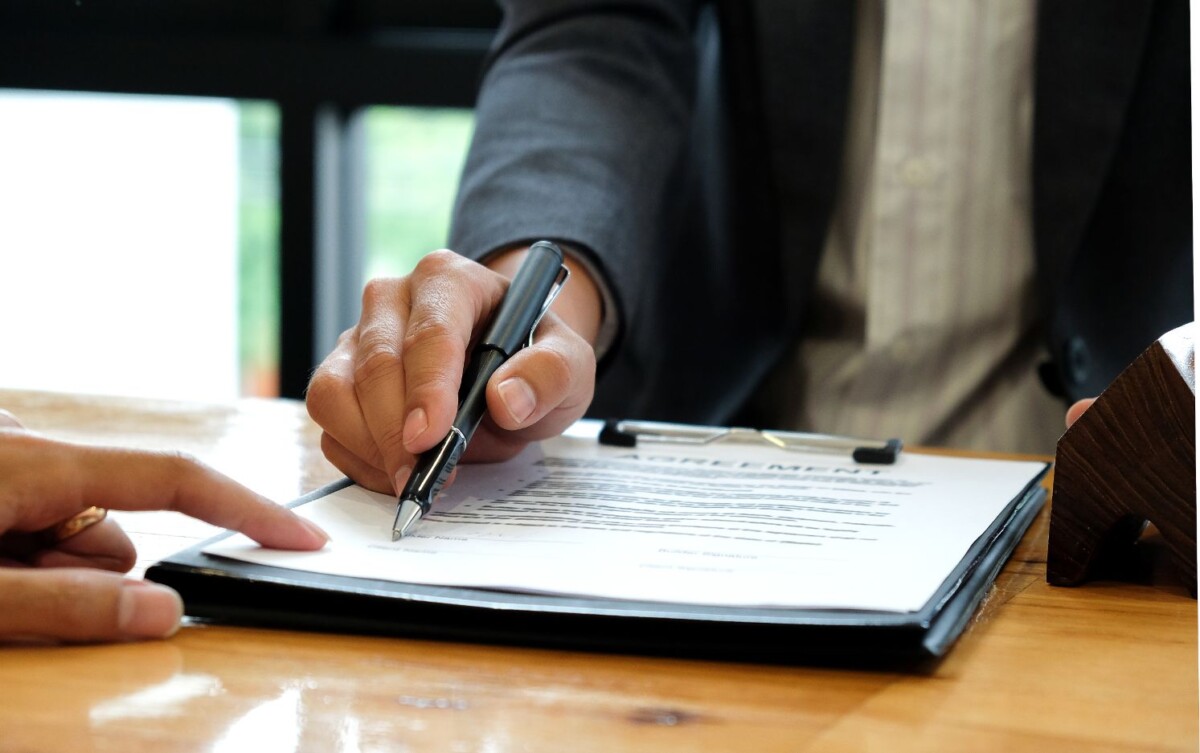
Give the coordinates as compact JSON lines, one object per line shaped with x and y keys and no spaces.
{"x":582,"y":124}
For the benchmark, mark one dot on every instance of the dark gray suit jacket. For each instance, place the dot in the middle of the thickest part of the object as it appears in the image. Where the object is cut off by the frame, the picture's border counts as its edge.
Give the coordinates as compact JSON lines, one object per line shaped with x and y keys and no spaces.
{"x":699,"y":171}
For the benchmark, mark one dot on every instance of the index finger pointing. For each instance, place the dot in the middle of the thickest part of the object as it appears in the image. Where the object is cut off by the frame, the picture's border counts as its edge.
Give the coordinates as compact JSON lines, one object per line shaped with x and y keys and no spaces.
{"x":50,"y":481}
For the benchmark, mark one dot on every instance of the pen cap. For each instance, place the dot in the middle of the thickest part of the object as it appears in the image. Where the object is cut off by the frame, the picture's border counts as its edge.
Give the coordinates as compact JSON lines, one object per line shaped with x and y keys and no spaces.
{"x":527,"y":294}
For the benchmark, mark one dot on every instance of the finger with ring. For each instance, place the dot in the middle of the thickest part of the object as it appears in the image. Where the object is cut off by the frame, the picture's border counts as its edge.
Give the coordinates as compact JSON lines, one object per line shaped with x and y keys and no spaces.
{"x":77,"y":524}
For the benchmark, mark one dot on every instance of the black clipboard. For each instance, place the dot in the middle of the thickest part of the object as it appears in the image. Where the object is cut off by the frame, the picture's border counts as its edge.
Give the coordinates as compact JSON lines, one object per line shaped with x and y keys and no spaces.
{"x":226,"y":591}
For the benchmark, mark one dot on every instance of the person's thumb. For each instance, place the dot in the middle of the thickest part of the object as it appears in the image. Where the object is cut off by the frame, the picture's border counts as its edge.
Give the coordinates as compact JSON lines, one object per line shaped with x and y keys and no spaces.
{"x":1078,"y":409}
{"x":81,"y":605}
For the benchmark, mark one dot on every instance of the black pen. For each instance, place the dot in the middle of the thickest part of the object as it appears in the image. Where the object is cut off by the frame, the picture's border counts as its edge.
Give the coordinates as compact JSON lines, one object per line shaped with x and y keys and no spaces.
{"x":530,"y":293}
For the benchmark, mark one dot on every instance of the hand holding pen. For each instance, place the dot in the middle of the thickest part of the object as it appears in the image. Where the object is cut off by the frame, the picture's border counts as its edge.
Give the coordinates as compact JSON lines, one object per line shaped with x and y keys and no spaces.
{"x":390,"y":389}
{"x":526,"y":301}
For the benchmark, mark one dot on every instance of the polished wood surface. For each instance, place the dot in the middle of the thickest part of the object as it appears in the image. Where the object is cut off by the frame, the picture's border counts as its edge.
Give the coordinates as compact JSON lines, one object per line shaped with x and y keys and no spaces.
{"x":1106,"y":667}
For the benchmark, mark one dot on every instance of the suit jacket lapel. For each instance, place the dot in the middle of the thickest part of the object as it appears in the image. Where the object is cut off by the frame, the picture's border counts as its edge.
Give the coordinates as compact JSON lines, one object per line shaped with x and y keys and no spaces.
{"x":804,"y":54}
{"x":1086,"y":66}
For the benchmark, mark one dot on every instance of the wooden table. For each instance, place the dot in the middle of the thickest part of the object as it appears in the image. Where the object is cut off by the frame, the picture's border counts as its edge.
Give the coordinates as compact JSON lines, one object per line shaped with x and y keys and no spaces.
{"x":1108,"y":667}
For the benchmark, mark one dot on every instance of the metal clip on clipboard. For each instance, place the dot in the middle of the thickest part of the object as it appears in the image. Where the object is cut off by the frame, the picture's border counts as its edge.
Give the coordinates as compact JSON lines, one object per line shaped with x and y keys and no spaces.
{"x":620,"y":433}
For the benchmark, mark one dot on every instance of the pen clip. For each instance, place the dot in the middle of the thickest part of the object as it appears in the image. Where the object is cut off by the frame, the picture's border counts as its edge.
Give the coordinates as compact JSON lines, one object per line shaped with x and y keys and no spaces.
{"x":555,"y":289}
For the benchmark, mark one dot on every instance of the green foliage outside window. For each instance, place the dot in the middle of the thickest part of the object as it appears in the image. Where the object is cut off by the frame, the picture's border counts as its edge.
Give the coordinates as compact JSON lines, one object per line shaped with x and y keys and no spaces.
{"x":413,"y":159}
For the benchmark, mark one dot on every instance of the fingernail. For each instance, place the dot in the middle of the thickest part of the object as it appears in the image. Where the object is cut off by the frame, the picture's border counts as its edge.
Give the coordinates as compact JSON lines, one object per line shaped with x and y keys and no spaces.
{"x":148,"y":610}
{"x":518,"y":398}
{"x":415,"y":425}
{"x":316,"y":529}
{"x":401,"y":478}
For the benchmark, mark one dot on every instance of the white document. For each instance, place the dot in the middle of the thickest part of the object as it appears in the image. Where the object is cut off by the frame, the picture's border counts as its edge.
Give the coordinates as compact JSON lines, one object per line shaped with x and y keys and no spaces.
{"x":723,"y":524}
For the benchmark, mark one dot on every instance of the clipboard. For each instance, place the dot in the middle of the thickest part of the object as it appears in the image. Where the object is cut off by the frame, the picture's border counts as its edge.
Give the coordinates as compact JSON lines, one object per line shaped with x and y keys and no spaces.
{"x":221,"y":590}
{"x":626,"y":433}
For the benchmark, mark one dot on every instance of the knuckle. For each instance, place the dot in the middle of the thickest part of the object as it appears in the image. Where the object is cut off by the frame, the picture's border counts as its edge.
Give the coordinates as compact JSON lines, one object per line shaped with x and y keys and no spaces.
{"x":391,"y":440}
{"x":437,"y":263}
{"x":180,"y":460}
{"x":433,"y":361}
{"x":181,"y":466}
{"x":375,"y":360}
{"x":433,"y":314}
{"x":378,"y":289}
{"x":429,"y":379}
{"x":322,"y":395}
{"x":432,"y":336}
{"x":346,"y":461}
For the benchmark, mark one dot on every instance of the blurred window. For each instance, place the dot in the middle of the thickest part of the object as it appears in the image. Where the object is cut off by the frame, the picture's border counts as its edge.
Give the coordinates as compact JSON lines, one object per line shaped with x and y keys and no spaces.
{"x":413,"y":159}
{"x":139,"y":252}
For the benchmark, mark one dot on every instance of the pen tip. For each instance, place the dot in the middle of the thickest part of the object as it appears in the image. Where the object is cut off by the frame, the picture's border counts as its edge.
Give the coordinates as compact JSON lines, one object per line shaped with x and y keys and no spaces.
{"x":406,"y":516}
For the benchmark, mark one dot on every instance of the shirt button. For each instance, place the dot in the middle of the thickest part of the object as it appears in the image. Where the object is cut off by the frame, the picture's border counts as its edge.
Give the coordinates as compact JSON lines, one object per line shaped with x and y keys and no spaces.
{"x":916,"y":172}
{"x":1077,"y":360}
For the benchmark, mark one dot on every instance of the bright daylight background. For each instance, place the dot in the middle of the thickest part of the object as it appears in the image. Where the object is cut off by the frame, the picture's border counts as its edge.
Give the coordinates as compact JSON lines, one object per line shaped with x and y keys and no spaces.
{"x":138,"y":246}
{"x":119,"y":245}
